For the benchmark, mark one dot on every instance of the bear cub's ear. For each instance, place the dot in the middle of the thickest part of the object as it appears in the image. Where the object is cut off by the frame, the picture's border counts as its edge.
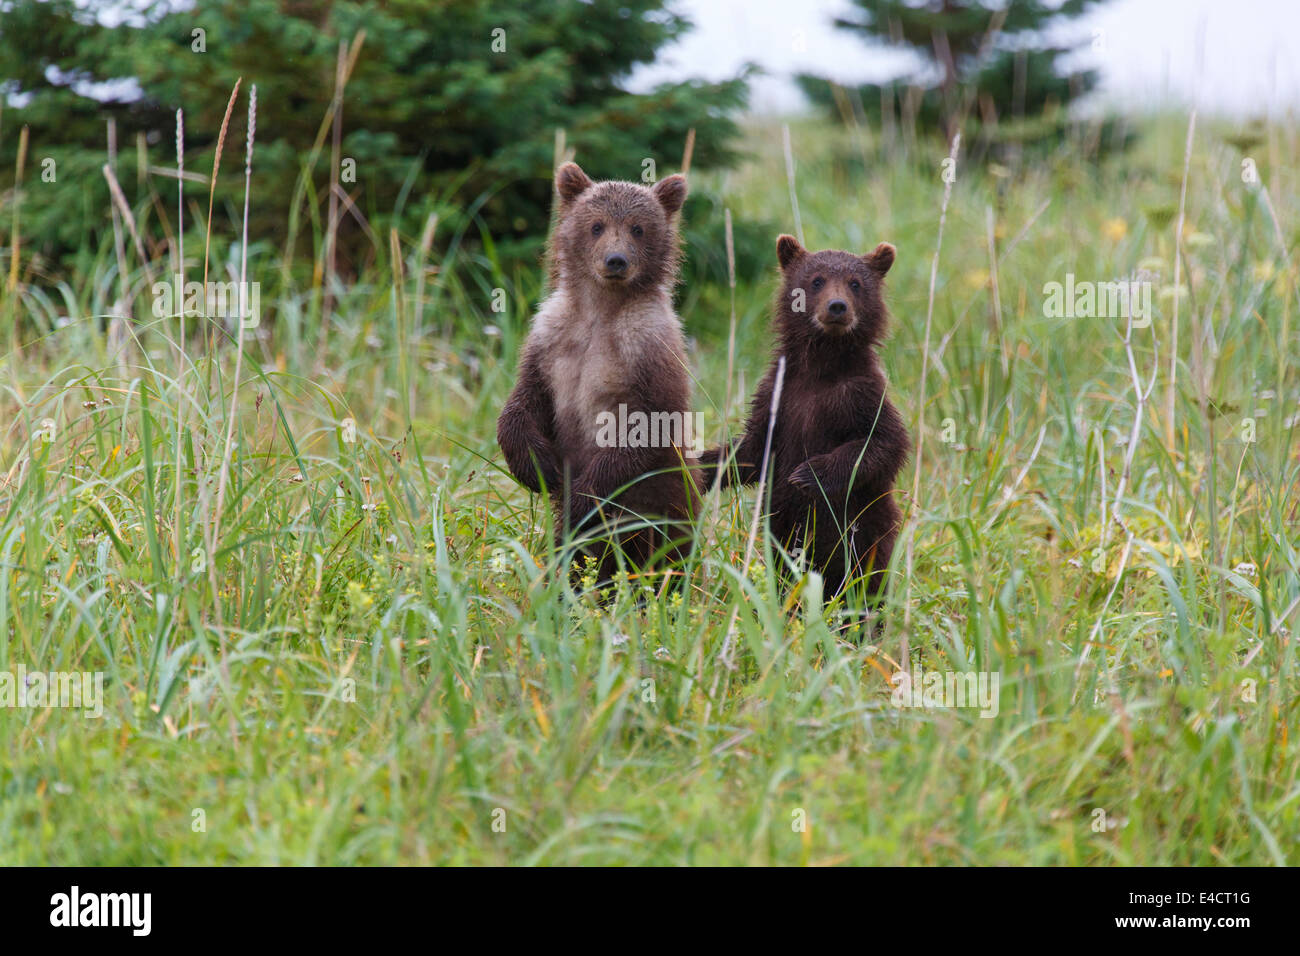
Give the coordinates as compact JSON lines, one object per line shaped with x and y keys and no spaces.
{"x":671,"y":193}
{"x":882,"y":258}
{"x":571,"y":182}
{"x":788,"y":251}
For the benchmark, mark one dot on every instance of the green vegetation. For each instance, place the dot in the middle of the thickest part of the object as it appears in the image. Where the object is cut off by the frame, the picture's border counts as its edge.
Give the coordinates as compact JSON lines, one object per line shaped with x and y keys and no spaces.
{"x":448,"y":108}
{"x":992,"y":70}
{"x":362,"y":652}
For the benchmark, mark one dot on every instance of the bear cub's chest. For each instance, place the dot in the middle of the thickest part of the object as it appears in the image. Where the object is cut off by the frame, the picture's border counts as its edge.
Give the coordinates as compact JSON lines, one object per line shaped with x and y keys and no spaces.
{"x":594,"y":363}
{"x":586,"y":377}
{"x":818,"y":416}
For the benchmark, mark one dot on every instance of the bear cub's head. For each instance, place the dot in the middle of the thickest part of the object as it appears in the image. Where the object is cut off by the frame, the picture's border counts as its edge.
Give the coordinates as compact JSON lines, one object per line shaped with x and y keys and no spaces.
{"x":620,"y":236}
{"x":830,"y":293}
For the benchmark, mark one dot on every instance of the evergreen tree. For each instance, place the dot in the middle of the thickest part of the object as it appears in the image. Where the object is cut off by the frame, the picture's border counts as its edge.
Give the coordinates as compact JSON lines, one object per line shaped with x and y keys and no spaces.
{"x":983,"y":61}
{"x":452,"y":105}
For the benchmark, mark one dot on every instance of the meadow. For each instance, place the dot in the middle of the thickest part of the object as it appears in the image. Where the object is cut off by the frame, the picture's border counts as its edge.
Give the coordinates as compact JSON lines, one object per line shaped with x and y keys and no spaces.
{"x":332,"y":630}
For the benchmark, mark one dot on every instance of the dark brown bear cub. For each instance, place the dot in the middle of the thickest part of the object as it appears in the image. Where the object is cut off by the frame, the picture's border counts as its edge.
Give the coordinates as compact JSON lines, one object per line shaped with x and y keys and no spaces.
{"x":607,"y":346}
{"x":838,"y":443}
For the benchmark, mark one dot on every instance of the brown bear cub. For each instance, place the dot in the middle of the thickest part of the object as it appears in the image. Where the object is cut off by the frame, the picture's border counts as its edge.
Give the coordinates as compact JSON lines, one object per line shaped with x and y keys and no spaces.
{"x":607,"y":336}
{"x":838,"y":443}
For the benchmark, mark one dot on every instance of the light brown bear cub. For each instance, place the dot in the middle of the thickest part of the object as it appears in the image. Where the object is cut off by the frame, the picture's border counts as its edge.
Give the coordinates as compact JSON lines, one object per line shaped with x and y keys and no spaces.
{"x":607,"y":336}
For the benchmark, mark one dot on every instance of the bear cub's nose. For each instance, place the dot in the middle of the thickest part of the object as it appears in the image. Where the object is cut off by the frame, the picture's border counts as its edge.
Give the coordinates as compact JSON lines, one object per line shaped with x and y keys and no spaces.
{"x":615,"y":264}
{"x":837,"y":307}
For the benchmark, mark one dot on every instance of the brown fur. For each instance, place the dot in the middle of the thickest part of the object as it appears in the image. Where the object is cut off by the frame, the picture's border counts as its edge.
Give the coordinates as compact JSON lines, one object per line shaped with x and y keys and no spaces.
{"x":838,"y":443}
{"x":599,"y":341}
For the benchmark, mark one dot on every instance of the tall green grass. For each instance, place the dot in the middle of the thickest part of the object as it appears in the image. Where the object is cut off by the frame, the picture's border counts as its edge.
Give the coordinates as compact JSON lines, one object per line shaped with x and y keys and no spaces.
{"x":376,"y":659}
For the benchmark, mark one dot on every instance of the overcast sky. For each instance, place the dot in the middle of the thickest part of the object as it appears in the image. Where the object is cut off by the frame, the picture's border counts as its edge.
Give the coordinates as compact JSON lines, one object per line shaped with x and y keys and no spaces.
{"x":1229,"y":56}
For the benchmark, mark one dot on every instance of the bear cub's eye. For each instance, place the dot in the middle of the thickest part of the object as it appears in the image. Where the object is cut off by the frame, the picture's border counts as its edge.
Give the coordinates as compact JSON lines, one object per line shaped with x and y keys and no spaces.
{"x":638,"y":231}
{"x":855,"y":285}
{"x":597,"y":229}
{"x":818,"y":283}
